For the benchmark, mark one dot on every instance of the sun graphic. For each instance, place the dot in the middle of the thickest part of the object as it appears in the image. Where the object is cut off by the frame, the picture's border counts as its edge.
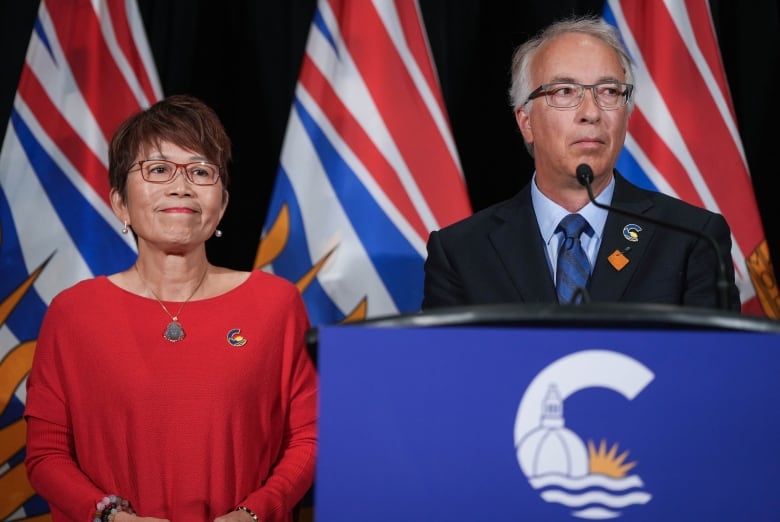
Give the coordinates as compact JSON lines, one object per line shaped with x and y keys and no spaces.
{"x":608,"y":462}
{"x":15,"y":364}
{"x":275,"y":242}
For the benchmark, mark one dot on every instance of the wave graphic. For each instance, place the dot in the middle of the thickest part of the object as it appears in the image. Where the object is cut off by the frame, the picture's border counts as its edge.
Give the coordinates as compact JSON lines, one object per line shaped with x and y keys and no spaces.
{"x":596,"y":513}
{"x":594,"y":480}
{"x":596,"y":497}
{"x":602,"y":494}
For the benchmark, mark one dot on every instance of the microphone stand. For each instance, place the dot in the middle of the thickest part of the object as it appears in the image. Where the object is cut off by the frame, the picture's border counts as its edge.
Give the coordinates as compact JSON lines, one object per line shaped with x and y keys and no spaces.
{"x":585,"y":177}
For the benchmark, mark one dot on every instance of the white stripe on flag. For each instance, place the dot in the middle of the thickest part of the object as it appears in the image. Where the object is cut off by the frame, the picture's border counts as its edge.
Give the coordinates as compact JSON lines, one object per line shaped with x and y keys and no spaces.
{"x":29,"y":208}
{"x":648,"y":167}
{"x":655,"y":110}
{"x":70,"y":170}
{"x":7,"y":338}
{"x":682,"y":21}
{"x":107,"y":30}
{"x":365,"y":177}
{"x":389,"y":15}
{"x":650,"y":102}
{"x":326,"y":225}
{"x":142,"y":48}
{"x":348,"y":84}
{"x":57,"y":79}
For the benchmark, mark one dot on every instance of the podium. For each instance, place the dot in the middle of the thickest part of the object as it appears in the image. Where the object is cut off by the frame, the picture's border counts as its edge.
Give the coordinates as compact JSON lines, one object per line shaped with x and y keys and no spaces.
{"x":547,"y":412}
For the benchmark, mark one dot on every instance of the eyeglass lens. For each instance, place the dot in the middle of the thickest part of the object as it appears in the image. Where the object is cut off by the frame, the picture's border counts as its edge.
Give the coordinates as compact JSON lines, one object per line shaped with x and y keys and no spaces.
{"x":163,"y":171}
{"x":610,"y":95}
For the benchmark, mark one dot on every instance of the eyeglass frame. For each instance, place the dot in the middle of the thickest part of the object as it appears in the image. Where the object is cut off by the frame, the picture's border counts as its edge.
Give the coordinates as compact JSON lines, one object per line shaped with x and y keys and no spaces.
{"x":543,"y":88}
{"x":183,"y":167}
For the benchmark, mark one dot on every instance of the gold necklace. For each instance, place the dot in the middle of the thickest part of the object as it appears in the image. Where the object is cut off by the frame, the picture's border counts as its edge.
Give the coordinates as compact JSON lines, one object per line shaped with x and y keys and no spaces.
{"x":173,"y":332}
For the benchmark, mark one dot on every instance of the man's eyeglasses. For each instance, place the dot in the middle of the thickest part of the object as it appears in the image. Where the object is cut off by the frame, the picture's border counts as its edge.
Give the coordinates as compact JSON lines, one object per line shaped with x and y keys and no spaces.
{"x":163,"y":171}
{"x":568,"y":95}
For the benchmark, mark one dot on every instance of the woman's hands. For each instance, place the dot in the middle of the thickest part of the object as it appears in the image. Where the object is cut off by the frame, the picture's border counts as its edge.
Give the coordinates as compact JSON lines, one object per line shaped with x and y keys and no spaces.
{"x":124,"y":516}
{"x":235,"y":516}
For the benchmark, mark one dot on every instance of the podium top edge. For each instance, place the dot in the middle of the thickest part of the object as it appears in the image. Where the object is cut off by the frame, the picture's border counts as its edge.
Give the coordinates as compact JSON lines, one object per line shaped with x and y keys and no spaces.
{"x":591,"y":315}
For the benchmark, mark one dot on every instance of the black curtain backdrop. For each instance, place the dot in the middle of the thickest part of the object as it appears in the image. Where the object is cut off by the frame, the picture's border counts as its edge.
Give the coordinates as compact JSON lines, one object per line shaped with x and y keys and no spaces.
{"x":242,"y":57}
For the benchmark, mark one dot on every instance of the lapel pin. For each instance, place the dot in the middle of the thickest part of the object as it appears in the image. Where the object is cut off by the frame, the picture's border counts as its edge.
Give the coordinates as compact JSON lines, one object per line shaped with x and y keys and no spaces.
{"x":618,"y":260}
{"x":631,"y":232}
{"x":234,"y":337}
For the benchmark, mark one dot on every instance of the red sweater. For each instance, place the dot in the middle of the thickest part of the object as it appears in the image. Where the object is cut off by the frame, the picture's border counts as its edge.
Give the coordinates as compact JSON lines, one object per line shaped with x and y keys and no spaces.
{"x":185,"y":431}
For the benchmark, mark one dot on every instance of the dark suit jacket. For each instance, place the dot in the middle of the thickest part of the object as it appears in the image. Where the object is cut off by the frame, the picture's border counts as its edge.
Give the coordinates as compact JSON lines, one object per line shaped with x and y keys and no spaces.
{"x":498,"y":256}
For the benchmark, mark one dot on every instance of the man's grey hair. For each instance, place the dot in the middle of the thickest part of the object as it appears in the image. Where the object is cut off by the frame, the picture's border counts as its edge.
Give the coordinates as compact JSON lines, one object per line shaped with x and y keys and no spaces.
{"x":521,"y":86}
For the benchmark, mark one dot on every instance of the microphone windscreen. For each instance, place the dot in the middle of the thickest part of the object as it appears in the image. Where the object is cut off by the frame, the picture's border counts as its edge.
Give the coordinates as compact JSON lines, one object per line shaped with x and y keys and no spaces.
{"x":584,"y":174}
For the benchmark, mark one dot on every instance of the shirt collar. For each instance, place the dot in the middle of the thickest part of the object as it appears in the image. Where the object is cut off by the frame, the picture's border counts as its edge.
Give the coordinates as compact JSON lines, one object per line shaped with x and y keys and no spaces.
{"x":549,"y":213}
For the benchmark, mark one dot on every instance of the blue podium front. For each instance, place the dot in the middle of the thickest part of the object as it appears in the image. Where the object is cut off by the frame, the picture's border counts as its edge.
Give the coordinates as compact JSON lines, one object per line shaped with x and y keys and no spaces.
{"x":558,"y":424}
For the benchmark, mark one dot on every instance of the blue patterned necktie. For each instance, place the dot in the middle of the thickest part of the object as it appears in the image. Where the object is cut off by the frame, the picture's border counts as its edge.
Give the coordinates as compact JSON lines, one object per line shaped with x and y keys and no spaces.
{"x":573,"y":269}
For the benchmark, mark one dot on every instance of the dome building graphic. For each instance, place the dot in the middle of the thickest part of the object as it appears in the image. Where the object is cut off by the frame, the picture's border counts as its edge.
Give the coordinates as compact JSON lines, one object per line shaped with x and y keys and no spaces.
{"x":551,"y":447}
{"x":594,"y":482}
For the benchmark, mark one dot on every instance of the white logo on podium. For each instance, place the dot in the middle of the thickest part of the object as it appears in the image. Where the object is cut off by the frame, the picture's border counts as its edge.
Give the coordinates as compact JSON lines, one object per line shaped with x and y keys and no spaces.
{"x":592,"y":480}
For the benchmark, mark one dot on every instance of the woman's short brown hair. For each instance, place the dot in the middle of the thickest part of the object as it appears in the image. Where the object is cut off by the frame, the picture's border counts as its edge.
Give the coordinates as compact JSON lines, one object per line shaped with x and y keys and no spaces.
{"x":180,"y":119}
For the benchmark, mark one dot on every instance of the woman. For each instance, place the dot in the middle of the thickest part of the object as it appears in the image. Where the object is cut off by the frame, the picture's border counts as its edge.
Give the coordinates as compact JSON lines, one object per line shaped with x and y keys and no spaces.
{"x":175,"y":390}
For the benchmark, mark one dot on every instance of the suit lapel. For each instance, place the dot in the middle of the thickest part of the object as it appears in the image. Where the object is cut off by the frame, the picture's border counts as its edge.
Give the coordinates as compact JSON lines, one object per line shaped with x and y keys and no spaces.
{"x":519,"y":246}
{"x":609,"y":282}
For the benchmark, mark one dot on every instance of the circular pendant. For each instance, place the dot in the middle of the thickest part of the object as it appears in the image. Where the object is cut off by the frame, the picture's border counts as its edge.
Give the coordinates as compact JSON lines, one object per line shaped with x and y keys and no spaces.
{"x":174,"y":332}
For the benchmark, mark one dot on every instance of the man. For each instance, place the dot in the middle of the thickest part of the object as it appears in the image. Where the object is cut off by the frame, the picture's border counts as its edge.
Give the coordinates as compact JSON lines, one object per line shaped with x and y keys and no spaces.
{"x":572,"y":89}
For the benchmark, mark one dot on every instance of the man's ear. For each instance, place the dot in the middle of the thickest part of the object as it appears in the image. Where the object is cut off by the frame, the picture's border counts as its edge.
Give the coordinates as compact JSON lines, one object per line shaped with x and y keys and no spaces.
{"x":523,"y":119}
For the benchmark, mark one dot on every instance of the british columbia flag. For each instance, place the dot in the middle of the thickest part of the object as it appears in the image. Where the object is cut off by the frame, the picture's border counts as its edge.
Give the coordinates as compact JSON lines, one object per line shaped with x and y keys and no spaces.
{"x":368,"y":165}
{"x":682,"y":136}
{"x":87,"y":68}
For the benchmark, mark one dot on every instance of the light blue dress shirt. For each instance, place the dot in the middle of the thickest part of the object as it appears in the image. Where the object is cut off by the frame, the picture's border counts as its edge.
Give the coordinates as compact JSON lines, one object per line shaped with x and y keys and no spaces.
{"x":549,"y":214}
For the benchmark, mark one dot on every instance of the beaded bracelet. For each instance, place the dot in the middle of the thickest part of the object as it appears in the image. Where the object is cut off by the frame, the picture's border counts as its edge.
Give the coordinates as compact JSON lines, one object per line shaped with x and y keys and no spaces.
{"x":249,"y":511}
{"x":109,"y":506}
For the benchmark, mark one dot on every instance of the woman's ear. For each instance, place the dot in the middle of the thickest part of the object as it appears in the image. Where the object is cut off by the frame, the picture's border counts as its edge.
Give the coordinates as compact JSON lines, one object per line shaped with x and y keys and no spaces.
{"x":119,"y":206}
{"x":225,"y":199}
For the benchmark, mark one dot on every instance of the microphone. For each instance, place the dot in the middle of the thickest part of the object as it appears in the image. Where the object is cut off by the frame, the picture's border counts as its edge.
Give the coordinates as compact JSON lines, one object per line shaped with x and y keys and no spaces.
{"x":585,"y":177}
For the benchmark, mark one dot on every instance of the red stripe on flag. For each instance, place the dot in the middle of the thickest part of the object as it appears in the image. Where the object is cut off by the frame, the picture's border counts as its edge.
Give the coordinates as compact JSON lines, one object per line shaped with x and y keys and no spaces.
{"x":97,"y":75}
{"x":701,"y":22}
{"x":124,"y":37}
{"x":662,"y":158}
{"x":696,"y":116}
{"x":414,"y":33}
{"x":404,"y":113}
{"x":360,"y":143}
{"x":62,"y":134}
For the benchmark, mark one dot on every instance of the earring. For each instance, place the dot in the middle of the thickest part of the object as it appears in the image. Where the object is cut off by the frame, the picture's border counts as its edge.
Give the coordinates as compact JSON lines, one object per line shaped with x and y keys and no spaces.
{"x":124,"y":229}
{"x":217,"y":233}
